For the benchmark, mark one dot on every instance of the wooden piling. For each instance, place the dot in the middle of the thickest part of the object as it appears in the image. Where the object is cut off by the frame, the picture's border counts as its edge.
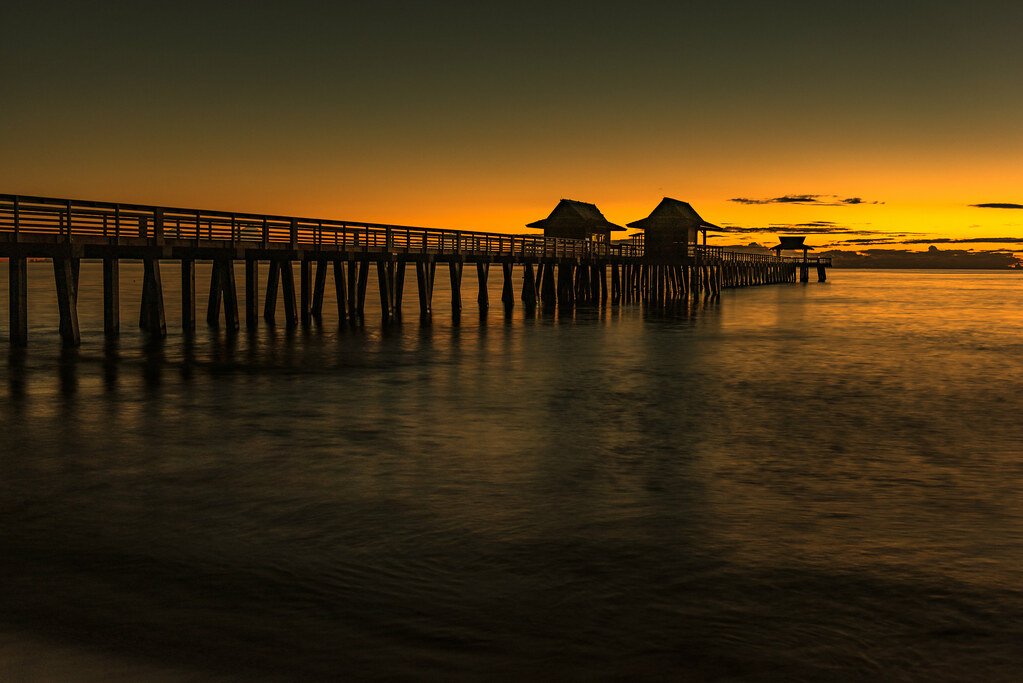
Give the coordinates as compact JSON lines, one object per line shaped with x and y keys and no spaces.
{"x":251,"y":293}
{"x":305,"y":274}
{"x":399,"y":287}
{"x":270,"y":300}
{"x":507,"y":287}
{"x":18,"y":293}
{"x":67,"y":301}
{"x":529,"y":296}
{"x":360,"y":294}
{"x":151,"y":317}
{"x":455,"y":271}
{"x":319,"y":285}
{"x":385,"y":277}
{"x":288,"y":292}
{"x":424,"y":279}
{"x":340,"y":290}
{"x":111,"y":296}
{"x":482,"y":272}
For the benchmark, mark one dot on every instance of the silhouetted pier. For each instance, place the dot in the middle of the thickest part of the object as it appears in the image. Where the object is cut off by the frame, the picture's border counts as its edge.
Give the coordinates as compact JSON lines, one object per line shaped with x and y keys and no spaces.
{"x":556,"y":271}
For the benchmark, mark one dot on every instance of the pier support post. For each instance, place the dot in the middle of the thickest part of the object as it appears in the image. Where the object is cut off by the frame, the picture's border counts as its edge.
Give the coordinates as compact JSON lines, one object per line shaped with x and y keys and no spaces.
{"x":270,"y":300}
{"x":528,"y":287}
{"x":425,"y":271}
{"x":399,"y":287}
{"x":288,"y":291}
{"x":18,"y":292}
{"x":804,"y":273}
{"x":222,"y":286}
{"x":187,"y":295}
{"x":483,"y":298}
{"x":548,"y":288}
{"x":455,"y":271}
{"x":566,"y":285}
{"x":151,"y":317}
{"x":385,"y":277}
{"x":352,"y":275}
{"x":616,"y":284}
{"x":340,"y":290}
{"x":67,"y":301}
{"x":822,"y":275}
{"x":360,"y":294}
{"x":319,"y":285}
{"x":508,"y":289}
{"x":251,"y":293}
{"x":111,"y":296}
{"x":305,"y":275}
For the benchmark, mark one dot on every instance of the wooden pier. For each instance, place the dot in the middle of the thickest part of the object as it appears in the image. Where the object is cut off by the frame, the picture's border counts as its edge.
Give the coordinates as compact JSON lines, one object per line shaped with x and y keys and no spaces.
{"x":556,"y":272}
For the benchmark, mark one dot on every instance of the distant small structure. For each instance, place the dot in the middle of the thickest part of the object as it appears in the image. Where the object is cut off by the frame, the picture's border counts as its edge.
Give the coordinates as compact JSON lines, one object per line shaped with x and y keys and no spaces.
{"x":796,"y":243}
{"x":671,"y":228}
{"x":791,"y":243}
{"x":576,"y":220}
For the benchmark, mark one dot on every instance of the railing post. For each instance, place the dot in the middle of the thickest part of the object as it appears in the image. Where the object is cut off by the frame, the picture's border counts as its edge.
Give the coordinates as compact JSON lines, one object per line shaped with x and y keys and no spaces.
{"x":67,"y":225}
{"x":294,"y":233}
{"x":117,"y":221}
{"x":17,"y":219}
{"x":157,"y":222}
{"x":266,"y":234}
{"x":234,"y":229}
{"x":388,"y":238}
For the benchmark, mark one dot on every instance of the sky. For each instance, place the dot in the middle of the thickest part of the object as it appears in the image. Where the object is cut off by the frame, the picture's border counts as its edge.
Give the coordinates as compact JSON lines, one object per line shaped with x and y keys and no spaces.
{"x":873,"y":123}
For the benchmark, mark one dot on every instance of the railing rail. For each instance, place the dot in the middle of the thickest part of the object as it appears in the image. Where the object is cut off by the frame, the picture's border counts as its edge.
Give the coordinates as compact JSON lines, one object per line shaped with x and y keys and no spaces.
{"x":69,"y":218}
{"x":64,"y":218}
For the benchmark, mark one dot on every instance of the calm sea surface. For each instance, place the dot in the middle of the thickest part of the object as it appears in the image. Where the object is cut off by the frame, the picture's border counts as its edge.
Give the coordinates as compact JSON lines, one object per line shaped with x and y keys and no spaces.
{"x":795,"y":482}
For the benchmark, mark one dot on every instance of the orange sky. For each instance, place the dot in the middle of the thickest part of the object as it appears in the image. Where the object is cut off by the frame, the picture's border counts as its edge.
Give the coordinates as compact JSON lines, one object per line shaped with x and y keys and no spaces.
{"x":463,"y":116}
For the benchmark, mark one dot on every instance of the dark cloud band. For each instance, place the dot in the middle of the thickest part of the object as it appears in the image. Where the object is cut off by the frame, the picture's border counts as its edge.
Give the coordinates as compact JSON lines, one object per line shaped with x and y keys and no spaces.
{"x":815,"y":199}
{"x":997,"y":205}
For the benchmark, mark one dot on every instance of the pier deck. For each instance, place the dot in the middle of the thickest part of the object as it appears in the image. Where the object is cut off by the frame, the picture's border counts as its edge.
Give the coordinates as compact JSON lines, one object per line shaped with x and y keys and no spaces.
{"x":557,"y":272}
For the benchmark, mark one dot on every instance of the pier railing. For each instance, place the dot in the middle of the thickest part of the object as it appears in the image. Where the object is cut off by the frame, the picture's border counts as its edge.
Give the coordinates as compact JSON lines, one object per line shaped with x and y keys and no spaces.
{"x":64,"y":218}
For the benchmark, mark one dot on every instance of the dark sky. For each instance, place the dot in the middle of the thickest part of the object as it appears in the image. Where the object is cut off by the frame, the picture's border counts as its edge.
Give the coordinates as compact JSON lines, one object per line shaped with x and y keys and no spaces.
{"x":463,"y":114}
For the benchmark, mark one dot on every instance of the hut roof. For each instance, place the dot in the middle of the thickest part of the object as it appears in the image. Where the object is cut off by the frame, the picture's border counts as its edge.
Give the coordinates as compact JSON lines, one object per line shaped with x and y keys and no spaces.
{"x":672,"y":213}
{"x":791,"y":242}
{"x":570,"y":213}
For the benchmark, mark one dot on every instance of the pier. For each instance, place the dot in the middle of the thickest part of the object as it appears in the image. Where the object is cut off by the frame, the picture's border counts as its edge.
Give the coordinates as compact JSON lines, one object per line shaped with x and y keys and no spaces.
{"x":557,"y":272}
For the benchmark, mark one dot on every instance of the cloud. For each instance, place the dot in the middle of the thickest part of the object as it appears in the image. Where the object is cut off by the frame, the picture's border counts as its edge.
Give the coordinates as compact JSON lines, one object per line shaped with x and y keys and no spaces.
{"x":815,"y":199}
{"x":997,"y":205}
{"x":891,"y":239}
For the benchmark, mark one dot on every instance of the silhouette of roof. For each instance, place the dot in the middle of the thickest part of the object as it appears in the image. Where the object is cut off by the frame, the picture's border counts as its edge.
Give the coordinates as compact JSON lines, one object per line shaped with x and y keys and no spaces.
{"x":791,"y":242}
{"x":672,"y":213}
{"x":573,"y":214}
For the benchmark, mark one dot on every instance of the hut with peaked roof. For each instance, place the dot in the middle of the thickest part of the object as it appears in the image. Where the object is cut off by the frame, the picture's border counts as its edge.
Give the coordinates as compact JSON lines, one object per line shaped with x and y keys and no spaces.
{"x":576,"y":220}
{"x":791,"y":243}
{"x":671,"y":228}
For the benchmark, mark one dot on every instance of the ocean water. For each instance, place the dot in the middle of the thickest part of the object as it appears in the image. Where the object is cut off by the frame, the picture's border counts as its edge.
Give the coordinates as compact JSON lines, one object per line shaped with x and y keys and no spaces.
{"x":794,"y":482}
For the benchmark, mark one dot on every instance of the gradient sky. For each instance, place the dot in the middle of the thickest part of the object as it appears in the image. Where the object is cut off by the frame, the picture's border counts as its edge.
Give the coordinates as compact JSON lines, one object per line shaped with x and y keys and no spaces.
{"x":886,"y":120}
